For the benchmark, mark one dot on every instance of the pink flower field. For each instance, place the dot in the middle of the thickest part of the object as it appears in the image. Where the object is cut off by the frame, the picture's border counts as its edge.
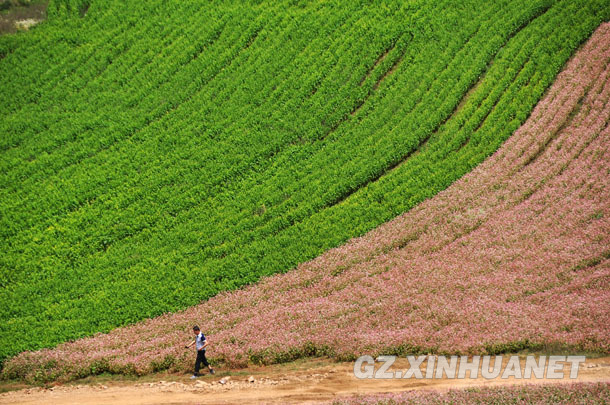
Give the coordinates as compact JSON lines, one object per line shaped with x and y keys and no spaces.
{"x":592,"y":393}
{"x":515,"y":255}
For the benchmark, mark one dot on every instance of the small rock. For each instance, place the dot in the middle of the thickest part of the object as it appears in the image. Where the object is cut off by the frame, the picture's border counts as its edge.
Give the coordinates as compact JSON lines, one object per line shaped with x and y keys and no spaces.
{"x":251,"y":379}
{"x":26,"y":24}
{"x":224,"y":380}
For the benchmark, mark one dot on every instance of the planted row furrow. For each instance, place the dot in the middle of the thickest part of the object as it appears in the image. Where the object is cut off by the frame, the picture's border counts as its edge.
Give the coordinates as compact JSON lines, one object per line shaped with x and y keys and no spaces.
{"x":180,"y":176}
{"x":113,"y":65}
{"x":153,"y":149}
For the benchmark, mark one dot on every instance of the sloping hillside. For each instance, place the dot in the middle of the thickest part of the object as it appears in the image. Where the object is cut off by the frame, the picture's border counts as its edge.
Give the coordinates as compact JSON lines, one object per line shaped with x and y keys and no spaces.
{"x":156,"y":153}
{"x":512,"y":256}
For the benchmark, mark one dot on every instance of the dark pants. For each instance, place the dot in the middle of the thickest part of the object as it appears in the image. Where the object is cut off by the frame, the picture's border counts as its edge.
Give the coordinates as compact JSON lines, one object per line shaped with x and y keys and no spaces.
{"x":200,"y":359}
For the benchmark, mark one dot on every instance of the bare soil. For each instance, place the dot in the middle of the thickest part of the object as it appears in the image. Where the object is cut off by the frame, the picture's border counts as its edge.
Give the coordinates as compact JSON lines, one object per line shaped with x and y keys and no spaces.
{"x":16,"y":15}
{"x":308,"y":381}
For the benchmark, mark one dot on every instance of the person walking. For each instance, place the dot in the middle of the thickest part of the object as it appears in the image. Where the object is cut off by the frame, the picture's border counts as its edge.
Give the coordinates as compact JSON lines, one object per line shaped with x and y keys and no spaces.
{"x":200,"y":343}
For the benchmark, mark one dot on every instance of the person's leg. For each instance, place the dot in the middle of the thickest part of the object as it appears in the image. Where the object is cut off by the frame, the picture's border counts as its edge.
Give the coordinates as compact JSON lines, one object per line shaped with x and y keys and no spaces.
{"x":198,"y":361}
{"x":205,"y":363}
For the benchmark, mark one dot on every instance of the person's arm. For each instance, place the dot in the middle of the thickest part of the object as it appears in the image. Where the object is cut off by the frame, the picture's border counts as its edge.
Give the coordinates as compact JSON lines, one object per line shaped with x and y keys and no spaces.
{"x":205,"y":344}
{"x":190,"y":344}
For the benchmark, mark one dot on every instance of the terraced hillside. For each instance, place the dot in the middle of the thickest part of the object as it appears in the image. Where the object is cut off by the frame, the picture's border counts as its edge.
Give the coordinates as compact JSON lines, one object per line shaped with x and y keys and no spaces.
{"x":154,"y":154}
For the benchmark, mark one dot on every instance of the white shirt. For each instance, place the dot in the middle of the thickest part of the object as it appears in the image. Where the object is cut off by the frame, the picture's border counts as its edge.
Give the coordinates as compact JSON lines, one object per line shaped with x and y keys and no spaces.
{"x":200,"y":340}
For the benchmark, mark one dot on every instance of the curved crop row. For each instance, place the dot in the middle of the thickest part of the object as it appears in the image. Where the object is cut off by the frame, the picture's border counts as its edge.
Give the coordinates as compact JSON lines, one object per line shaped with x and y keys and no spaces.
{"x":514,"y":255}
{"x":168,"y":163}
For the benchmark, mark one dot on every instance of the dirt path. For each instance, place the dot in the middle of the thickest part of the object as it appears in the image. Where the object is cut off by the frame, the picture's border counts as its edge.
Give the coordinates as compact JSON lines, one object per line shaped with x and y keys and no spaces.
{"x":302,"y":382}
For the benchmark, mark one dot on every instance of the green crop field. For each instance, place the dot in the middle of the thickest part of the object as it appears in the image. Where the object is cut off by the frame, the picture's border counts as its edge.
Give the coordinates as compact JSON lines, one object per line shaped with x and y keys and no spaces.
{"x":155,"y":153}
